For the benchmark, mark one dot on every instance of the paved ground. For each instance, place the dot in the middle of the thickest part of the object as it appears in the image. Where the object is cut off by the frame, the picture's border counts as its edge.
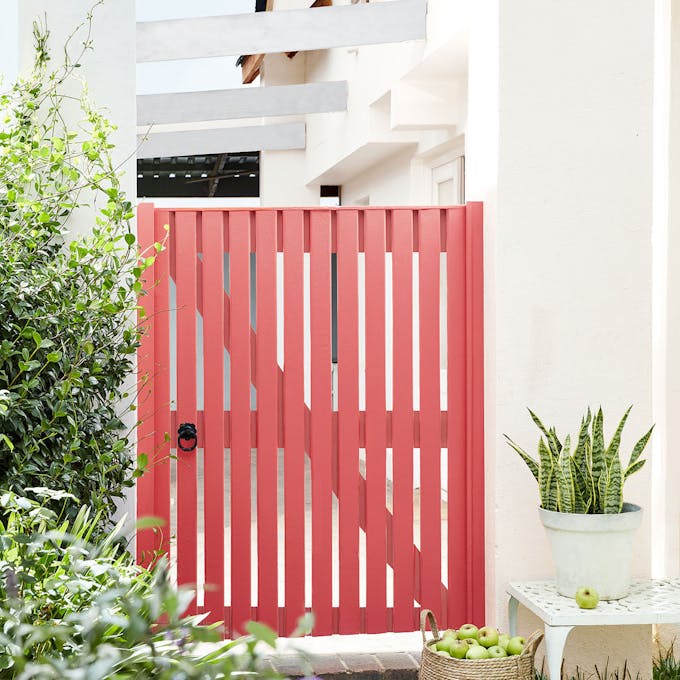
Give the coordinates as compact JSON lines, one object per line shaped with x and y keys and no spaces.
{"x":388,"y":656}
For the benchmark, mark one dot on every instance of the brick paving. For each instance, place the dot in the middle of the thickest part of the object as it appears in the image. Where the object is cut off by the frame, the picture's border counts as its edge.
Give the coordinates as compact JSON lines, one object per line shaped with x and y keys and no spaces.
{"x":387,"y":665}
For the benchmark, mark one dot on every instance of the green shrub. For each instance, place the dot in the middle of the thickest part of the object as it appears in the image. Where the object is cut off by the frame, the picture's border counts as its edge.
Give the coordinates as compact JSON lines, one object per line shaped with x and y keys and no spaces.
{"x":73,"y":609}
{"x":67,"y":304}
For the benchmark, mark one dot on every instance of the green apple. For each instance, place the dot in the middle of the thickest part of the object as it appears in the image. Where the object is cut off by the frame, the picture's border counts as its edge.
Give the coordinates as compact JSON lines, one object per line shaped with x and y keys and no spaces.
{"x":496,"y":652}
{"x":450,"y":633}
{"x":460,"y":648}
{"x":515,"y":645}
{"x":467,"y":632}
{"x":477,"y":652}
{"x":487,"y":637}
{"x":503,"y":640}
{"x":445,"y":644}
{"x":471,"y":642}
{"x":441,"y":652}
{"x":587,"y":598}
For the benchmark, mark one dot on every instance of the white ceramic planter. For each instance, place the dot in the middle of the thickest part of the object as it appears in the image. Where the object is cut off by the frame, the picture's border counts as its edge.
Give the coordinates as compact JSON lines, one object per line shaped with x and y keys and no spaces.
{"x":593,"y":550}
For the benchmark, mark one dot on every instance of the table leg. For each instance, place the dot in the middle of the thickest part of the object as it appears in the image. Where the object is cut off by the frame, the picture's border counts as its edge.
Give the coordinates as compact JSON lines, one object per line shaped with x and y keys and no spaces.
{"x":513,"y":605}
{"x":555,"y":639}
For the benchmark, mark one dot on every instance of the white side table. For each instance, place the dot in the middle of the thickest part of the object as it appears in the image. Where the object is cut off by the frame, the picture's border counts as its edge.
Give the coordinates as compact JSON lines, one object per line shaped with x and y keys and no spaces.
{"x":649,"y":602}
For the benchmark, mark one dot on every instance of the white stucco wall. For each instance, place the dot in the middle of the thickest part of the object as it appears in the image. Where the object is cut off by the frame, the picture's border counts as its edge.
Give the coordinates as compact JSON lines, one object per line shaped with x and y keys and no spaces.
{"x":559,"y":147}
{"x":109,"y":70}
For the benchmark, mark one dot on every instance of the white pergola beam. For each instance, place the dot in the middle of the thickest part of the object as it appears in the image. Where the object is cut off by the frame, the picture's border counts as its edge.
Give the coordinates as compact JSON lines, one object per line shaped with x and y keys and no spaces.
{"x":247,"y":102}
{"x":282,"y":31}
{"x":283,"y":136}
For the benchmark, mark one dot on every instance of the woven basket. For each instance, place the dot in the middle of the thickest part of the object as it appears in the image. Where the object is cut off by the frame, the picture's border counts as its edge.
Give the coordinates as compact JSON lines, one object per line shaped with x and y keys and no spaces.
{"x":437,"y":667}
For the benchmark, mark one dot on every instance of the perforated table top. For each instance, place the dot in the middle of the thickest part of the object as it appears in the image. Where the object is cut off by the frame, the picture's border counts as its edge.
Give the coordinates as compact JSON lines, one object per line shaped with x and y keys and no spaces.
{"x":649,"y":601}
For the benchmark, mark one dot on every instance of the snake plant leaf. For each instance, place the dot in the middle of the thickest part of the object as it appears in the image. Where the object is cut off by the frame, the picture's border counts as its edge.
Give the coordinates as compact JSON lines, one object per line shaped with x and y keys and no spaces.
{"x":582,"y":496}
{"x":539,"y":424}
{"x":639,"y":448}
{"x":599,"y":463}
{"x":531,"y":463}
{"x":547,"y":479}
{"x":613,"y":497}
{"x":613,"y":448}
{"x":583,"y":438}
{"x":554,"y":444}
{"x":632,"y":469}
{"x":565,"y":487}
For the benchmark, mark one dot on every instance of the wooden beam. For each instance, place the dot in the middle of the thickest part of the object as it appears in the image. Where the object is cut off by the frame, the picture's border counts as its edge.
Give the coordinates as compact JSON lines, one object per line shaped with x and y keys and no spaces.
{"x":277,"y":137}
{"x":250,"y":67}
{"x":244,"y":102}
{"x":285,"y":31}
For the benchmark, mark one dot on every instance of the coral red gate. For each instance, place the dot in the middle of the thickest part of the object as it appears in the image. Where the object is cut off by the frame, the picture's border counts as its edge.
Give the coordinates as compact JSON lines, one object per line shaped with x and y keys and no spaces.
{"x":332,"y":363}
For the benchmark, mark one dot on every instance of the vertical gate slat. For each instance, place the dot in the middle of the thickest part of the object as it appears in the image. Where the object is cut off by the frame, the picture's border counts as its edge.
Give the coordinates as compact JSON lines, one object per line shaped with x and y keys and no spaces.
{"x":294,"y":416}
{"x":162,"y":380}
{"x":185,"y":268}
{"x":321,"y":446}
{"x":475,"y":400}
{"x":146,"y":384}
{"x":430,"y":437}
{"x":376,"y":542}
{"x":458,"y":608}
{"x":402,"y":418}
{"x":213,"y":419}
{"x":240,"y":453}
{"x":267,"y":418}
{"x":348,"y":419}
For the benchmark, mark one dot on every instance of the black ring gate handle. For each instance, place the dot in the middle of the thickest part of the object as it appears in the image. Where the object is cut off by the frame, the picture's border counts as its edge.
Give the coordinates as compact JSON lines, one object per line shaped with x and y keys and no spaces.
{"x":187,"y":432}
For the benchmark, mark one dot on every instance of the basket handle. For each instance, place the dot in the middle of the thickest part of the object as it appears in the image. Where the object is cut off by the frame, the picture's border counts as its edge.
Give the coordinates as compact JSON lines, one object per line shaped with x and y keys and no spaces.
{"x":427,"y":615}
{"x":532,"y":643}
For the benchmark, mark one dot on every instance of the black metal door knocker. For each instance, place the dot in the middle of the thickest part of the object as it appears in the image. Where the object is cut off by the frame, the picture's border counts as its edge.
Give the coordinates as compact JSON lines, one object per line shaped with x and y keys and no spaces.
{"x":187,"y":432}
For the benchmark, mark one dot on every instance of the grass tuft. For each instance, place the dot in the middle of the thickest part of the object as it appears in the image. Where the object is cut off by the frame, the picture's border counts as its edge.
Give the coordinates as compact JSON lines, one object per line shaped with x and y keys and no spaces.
{"x":666,"y":667}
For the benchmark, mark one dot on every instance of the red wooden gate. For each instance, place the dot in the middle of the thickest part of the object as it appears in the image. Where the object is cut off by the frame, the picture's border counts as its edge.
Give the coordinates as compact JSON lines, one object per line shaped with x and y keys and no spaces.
{"x":374,"y":544}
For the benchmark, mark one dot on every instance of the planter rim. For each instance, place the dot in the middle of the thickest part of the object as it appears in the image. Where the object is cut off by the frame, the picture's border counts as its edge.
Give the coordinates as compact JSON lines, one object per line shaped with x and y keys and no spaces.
{"x":628,"y":519}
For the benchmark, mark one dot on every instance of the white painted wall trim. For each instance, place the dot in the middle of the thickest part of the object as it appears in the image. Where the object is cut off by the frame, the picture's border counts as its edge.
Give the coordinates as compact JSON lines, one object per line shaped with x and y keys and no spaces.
{"x":274,"y":32}
{"x":247,"y":102}
{"x":222,"y":140}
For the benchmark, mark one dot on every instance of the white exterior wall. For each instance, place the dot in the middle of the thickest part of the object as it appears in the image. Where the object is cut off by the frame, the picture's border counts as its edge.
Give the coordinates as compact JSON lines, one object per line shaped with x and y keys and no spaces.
{"x":109,"y":70}
{"x":406,"y":105}
{"x":560,"y":148}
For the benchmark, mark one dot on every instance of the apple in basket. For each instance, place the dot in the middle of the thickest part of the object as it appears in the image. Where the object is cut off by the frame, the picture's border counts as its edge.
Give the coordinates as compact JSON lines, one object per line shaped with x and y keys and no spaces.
{"x":516,"y":645}
{"x":487,"y":637}
{"x":496,"y":652}
{"x":460,"y":648}
{"x":468,"y":631}
{"x":478,"y":652}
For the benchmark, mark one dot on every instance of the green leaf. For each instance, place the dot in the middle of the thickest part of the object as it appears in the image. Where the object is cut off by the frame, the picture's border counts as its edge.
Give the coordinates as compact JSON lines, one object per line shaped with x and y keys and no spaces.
{"x":635,"y":467}
{"x":547,"y":478}
{"x":613,"y":448}
{"x":599,"y":463}
{"x":613,"y":497}
{"x":539,"y":424}
{"x":149,"y":522}
{"x":262,"y":633}
{"x":53,"y":357}
{"x":640,"y":447}
{"x":565,"y":486}
{"x":129,"y":239}
{"x":531,"y":463}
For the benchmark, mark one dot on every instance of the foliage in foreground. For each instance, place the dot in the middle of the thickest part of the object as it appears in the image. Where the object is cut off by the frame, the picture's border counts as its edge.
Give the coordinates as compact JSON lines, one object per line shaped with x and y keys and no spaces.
{"x":72,"y":609}
{"x":67,"y":302}
{"x":588,"y":481}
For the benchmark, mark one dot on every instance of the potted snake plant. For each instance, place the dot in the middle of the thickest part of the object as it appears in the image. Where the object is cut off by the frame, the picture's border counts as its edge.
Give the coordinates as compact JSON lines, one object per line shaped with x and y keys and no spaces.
{"x":590,"y":527}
